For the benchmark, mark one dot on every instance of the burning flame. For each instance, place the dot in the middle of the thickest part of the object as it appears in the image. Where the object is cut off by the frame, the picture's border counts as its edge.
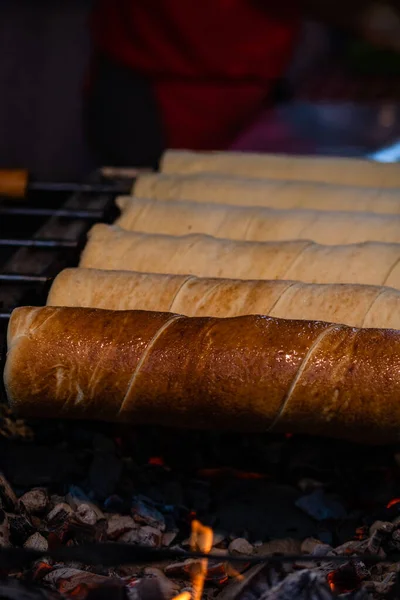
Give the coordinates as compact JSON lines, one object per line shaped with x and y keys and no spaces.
{"x":201,"y":540}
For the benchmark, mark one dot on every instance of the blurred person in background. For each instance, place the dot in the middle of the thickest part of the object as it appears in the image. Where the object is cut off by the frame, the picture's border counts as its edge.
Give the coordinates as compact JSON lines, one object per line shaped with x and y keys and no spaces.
{"x":184,"y":74}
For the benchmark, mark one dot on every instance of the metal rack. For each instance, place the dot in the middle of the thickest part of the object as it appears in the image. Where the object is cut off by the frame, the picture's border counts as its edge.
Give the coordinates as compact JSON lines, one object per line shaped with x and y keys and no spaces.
{"x":40,"y":237}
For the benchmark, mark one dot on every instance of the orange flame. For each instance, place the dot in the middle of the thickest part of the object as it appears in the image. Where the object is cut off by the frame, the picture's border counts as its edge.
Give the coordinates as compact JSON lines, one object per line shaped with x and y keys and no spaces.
{"x":201,"y":540}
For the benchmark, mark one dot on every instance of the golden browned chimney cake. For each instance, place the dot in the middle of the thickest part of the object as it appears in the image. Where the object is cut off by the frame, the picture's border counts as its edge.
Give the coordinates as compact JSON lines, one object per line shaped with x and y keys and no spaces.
{"x":249,"y":373}
{"x":242,"y":191}
{"x":111,"y":248}
{"x":255,"y":223}
{"x":355,"y":305}
{"x":325,"y":169}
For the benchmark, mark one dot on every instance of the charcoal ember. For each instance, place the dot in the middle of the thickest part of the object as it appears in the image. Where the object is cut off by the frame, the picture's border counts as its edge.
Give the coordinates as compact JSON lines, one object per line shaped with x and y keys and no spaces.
{"x":59,"y":515}
{"x":352,"y":547}
{"x":117,"y":525}
{"x":303,"y":585}
{"x":86,"y":514}
{"x":256,"y":584}
{"x":147,"y":589}
{"x":320,"y":506}
{"x":65,"y":579}
{"x":40,"y":568}
{"x":218,"y":538}
{"x":85,"y":533}
{"x":384,"y":526}
{"x":385,"y":586}
{"x":218,"y":552}
{"x":180,"y":569}
{"x":168,"y":537}
{"x":284,"y":546}
{"x":21,"y":529}
{"x":395,"y":539}
{"x":168,"y":588}
{"x":344,"y":579}
{"x":4,"y":530}
{"x":380,"y":536}
{"x":308,"y":545}
{"x":76,"y":496}
{"x":322,"y":550}
{"x":82,"y":505}
{"x":144,"y":536}
{"x":240,"y":546}
{"x":8,"y":499}
{"x":145,"y":513}
{"x":36,"y":542}
{"x":361,"y":569}
{"x":35,"y":501}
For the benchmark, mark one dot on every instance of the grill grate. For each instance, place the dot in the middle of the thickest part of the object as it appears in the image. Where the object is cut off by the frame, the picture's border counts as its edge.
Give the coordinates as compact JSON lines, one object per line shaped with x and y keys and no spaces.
{"x":41,"y":236}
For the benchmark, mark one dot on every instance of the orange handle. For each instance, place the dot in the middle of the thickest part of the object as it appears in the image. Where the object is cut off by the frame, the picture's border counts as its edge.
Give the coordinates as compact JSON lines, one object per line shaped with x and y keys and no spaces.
{"x":13,"y":183}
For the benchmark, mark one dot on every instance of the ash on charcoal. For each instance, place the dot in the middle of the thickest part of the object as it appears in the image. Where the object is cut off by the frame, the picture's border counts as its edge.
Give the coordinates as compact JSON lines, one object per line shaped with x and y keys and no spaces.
{"x":240,"y":546}
{"x":21,"y":529}
{"x":258,"y":580}
{"x":59,"y":515}
{"x":8,"y":498}
{"x":4,"y":530}
{"x":117,"y":525}
{"x":36,"y":542}
{"x":88,"y":513}
{"x":35,"y":501}
{"x":280,"y":546}
{"x":168,"y":537}
{"x":168,"y":588}
{"x":144,"y":512}
{"x":145,"y":536}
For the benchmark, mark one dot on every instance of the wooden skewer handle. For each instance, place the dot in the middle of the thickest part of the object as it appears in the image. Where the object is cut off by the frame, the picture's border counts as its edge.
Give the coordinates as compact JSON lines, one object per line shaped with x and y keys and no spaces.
{"x":13,"y":183}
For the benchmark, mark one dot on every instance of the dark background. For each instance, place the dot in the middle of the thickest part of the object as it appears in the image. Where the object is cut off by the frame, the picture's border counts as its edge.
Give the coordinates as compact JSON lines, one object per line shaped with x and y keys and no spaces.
{"x":44,"y":52}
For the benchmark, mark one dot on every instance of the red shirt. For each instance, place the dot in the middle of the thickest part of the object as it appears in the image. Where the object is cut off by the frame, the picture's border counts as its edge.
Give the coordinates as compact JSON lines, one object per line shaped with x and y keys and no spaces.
{"x":212,"y":63}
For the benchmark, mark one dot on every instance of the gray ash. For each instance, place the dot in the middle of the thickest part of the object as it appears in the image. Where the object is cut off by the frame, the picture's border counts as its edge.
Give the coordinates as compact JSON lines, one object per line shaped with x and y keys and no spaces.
{"x":69,"y":485}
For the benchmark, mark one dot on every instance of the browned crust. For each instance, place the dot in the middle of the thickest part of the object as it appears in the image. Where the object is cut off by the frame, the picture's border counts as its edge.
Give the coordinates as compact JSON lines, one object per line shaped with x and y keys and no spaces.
{"x":249,"y":373}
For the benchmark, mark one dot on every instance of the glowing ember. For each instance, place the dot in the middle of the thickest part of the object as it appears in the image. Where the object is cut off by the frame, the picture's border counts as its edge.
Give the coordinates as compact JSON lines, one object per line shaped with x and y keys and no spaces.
{"x":343,"y":580}
{"x":183,"y":596}
{"x":228,"y":472}
{"x":156,"y":461}
{"x":393,"y":502}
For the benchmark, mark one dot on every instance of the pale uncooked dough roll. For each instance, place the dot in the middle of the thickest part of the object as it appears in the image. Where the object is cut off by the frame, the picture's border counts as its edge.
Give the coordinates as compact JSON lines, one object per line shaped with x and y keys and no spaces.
{"x":254,"y":223}
{"x":110,"y":247}
{"x":355,"y":305}
{"x":326,"y":169}
{"x":242,"y":191}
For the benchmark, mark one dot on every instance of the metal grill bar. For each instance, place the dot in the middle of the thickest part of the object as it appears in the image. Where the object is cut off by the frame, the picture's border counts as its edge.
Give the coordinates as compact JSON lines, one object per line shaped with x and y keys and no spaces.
{"x":24,"y":278}
{"x":70,"y":213}
{"x":38,"y":243}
